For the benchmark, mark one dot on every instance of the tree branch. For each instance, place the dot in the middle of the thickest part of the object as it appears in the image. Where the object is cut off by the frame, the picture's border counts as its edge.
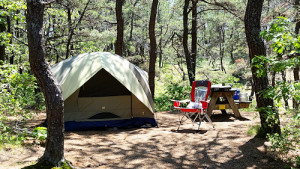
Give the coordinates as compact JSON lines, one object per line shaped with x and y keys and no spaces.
{"x":225,"y":7}
{"x":19,"y":40}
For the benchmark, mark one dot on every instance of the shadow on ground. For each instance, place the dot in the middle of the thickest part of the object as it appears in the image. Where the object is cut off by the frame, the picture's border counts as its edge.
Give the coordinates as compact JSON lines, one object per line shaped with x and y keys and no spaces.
{"x":226,"y":146}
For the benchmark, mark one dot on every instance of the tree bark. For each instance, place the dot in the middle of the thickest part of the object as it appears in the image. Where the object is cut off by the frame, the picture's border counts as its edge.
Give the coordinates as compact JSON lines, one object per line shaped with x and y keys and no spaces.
{"x":273,"y":79}
{"x":131,"y":26}
{"x":152,"y":46}
{"x":286,"y":102}
{"x":221,"y":47}
{"x":120,"y":28}
{"x":142,"y":50}
{"x":54,"y":151}
{"x":232,"y":61}
{"x":161,"y":36}
{"x":296,"y":69}
{"x":194,"y":39}
{"x":232,"y":47}
{"x":71,"y":32}
{"x":185,"y":41}
{"x":256,"y":48}
{"x":2,"y":29}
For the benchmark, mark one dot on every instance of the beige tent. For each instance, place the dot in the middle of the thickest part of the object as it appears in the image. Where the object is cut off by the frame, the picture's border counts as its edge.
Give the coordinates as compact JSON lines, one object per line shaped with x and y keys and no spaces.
{"x":103,"y":90}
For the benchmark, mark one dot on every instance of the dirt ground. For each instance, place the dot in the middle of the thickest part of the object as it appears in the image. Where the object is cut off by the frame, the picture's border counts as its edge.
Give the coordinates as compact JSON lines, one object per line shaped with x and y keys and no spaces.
{"x":225,"y":146}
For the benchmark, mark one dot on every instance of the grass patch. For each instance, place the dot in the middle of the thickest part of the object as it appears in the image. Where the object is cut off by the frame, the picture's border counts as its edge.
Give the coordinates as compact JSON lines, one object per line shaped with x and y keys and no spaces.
{"x":256,"y":131}
{"x":253,"y":130}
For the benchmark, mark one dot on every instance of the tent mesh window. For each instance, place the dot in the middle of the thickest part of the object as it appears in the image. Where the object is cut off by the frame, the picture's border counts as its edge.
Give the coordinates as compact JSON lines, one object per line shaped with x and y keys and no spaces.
{"x":101,"y":85}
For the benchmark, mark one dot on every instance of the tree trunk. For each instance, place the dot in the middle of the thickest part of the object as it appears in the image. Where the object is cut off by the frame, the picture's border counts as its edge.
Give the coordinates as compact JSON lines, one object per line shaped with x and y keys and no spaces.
{"x":71,"y":32}
{"x":54,"y":151}
{"x":286,"y":101}
{"x":296,"y":69}
{"x":194,"y":39}
{"x":273,"y":78}
{"x":232,"y":48}
{"x":161,"y":36}
{"x":160,"y":50}
{"x":120,"y":28}
{"x":232,"y":61}
{"x":2,"y":29}
{"x":256,"y":48}
{"x":222,"y":41}
{"x":142,"y":50}
{"x":131,"y":21}
{"x":152,"y":47}
{"x":185,"y":41}
{"x":11,"y":59}
{"x":131,"y":26}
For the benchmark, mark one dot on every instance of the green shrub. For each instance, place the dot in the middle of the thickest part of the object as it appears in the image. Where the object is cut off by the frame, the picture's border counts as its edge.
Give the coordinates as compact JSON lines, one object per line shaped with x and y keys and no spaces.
{"x":39,"y":133}
{"x":19,"y":94}
{"x":288,"y":140}
{"x":18,"y":90}
{"x":285,"y":44}
{"x":172,"y":92}
{"x":11,"y":136}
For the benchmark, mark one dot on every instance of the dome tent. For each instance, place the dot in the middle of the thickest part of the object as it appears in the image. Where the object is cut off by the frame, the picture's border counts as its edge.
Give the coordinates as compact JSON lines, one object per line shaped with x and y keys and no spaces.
{"x":101,"y":89}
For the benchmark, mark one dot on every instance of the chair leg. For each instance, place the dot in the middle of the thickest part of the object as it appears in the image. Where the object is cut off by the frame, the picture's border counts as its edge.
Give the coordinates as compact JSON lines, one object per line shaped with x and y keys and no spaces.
{"x":208,"y":118}
{"x":180,"y":121}
{"x":178,"y":127}
{"x":199,"y":124}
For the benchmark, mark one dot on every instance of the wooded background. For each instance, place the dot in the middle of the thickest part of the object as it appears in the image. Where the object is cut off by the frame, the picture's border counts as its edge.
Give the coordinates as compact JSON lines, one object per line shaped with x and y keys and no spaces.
{"x":239,"y":42}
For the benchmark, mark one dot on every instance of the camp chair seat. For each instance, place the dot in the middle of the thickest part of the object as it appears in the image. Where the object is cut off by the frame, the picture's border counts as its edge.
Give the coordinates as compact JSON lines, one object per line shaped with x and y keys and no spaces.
{"x":196,"y":109}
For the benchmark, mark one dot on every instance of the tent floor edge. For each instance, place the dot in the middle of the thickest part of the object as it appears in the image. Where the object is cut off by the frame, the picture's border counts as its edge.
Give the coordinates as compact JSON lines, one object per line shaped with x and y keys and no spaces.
{"x":136,"y":122}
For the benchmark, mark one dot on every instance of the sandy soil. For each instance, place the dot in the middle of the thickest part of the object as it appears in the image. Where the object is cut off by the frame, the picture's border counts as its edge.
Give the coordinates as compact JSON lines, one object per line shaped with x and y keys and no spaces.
{"x":225,"y":146}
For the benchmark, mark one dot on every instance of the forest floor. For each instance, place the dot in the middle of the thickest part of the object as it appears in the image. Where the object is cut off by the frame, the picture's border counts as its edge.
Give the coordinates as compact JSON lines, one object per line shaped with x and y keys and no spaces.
{"x":226,"y":146}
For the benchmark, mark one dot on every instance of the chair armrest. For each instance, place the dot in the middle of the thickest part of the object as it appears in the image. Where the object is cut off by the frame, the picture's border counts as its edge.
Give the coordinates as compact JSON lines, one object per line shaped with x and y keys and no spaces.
{"x":177,"y":102}
{"x":181,"y":101}
{"x":204,"y":104}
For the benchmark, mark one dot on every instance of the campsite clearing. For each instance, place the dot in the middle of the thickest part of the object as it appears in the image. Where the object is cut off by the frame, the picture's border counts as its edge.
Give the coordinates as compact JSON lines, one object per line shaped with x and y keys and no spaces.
{"x":226,"y":146}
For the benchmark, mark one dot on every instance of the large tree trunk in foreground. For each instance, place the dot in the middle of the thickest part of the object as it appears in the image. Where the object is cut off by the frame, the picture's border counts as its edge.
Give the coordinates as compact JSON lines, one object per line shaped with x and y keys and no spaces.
{"x":54,"y":151}
{"x":152,"y":47}
{"x":256,"y":48}
{"x":120,"y":28}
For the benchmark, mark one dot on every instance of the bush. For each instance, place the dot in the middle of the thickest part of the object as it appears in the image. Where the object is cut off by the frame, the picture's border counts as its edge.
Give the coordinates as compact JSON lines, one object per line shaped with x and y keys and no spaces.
{"x":285,"y":44}
{"x":18,"y":90}
{"x":39,"y":133}
{"x":19,"y":94}
{"x":173,"y":91}
{"x":9,"y":135}
{"x":288,"y":140}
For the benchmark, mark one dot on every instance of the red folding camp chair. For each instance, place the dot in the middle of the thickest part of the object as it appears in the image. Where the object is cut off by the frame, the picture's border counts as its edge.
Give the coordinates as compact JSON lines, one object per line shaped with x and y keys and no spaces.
{"x":197,"y":106}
